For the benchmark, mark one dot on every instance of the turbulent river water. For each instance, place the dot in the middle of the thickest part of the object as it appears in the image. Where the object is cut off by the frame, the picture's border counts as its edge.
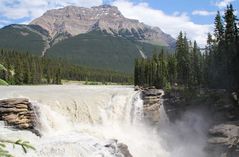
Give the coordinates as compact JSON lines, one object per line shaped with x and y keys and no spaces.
{"x":78,"y":121}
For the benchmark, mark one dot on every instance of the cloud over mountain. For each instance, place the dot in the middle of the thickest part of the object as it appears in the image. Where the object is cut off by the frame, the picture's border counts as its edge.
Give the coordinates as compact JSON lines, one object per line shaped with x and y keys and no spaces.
{"x":24,"y":11}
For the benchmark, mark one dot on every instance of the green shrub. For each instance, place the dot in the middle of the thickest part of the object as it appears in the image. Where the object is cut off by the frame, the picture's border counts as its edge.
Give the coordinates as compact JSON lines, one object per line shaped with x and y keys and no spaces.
{"x":25,"y":145}
{"x":3,"y":83}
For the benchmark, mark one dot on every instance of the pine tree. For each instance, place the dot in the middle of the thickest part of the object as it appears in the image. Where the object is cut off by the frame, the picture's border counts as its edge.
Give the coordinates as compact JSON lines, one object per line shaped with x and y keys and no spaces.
{"x":58,"y":76}
{"x":18,"y":70}
{"x":230,"y":30}
{"x":163,"y":70}
{"x":183,"y":60}
{"x":136,"y":72}
{"x":219,"y":28}
{"x":172,"y":69}
{"x":196,"y":72}
{"x":230,"y":52}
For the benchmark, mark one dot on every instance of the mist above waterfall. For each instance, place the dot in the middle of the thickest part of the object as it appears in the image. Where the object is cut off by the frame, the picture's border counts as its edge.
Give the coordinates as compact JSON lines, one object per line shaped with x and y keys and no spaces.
{"x":187,"y":136}
{"x":81,"y":120}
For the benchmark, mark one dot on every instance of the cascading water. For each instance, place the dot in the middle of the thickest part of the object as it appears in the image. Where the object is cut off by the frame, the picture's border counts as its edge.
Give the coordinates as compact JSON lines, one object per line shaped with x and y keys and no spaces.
{"x":79,"y":121}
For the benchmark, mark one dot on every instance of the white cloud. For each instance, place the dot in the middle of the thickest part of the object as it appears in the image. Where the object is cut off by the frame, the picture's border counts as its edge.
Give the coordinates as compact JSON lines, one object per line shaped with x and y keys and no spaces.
{"x":223,"y":3}
{"x":204,"y":12}
{"x":31,"y":9}
{"x":170,"y":24}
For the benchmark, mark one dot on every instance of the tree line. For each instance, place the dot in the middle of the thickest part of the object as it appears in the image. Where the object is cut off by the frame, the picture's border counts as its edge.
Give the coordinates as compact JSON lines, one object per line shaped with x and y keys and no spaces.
{"x":24,"y":68}
{"x":216,"y":66}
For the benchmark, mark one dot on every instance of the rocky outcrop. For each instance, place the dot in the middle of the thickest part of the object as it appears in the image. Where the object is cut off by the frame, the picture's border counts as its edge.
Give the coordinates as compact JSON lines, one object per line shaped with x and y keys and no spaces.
{"x":118,"y":149}
{"x":226,"y":139}
{"x":78,"y":20}
{"x":18,"y":113}
{"x":152,"y":102}
{"x":235,"y":96}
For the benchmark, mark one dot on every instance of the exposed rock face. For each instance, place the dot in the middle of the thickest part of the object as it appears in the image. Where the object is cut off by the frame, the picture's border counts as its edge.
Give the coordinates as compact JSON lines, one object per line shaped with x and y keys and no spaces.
{"x":226,"y":137}
{"x":18,"y":113}
{"x":77,"y":20}
{"x":152,"y":102}
{"x":118,"y":149}
{"x":223,"y":117}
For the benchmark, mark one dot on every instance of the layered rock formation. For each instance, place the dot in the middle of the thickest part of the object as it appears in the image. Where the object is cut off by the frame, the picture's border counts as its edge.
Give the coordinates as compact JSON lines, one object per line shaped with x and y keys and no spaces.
{"x":18,"y":113}
{"x":74,"y":20}
{"x":152,"y":102}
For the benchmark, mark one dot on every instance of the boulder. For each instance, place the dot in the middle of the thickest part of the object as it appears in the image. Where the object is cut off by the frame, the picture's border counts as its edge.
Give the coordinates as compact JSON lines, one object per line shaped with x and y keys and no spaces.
{"x":124,"y":150}
{"x":118,"y":149}
{"x":224,"y":138}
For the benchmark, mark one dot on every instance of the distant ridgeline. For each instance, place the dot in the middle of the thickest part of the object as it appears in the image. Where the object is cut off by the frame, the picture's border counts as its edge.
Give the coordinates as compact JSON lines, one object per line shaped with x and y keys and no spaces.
{"x":23,"y":68}
{"x":217,"y":67}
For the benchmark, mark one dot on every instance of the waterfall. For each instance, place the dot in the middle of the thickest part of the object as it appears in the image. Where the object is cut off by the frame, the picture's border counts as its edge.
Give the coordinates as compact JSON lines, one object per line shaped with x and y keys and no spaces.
{"x":79,"y":121}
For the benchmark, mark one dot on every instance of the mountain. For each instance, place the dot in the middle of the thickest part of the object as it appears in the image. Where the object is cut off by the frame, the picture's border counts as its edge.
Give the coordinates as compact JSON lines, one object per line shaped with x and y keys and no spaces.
{"x":77,"y":20}
{"x":98,"y":37}
{"x":24,"y":38}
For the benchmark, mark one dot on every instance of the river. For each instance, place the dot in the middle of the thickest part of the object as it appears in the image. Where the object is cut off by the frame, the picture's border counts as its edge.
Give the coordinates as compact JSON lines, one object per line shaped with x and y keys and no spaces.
{"x":79,"y":121}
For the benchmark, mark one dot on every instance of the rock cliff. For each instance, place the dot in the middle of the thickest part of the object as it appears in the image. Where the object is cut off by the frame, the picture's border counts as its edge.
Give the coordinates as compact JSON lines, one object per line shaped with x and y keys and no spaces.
{"x":151,"y":107}
{"x":18,"y":113}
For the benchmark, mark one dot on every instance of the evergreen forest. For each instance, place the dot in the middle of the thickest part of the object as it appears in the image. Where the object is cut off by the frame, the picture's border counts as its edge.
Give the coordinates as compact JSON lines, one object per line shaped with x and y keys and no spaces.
{"x":24,"y":68}
{"x":215,"y":66}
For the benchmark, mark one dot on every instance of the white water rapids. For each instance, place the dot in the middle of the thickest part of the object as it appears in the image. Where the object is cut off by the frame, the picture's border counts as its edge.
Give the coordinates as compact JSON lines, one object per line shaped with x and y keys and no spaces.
{"x":78,"y":121}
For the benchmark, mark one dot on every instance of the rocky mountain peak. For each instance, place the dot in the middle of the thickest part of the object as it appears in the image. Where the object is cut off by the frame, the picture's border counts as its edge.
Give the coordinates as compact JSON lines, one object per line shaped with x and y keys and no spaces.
{"x":74,"y":20}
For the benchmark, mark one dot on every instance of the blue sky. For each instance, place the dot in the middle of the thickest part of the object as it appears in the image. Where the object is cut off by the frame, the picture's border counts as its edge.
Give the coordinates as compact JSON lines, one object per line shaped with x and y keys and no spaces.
{"x":189,"y":6}
{"x":194,"y":17}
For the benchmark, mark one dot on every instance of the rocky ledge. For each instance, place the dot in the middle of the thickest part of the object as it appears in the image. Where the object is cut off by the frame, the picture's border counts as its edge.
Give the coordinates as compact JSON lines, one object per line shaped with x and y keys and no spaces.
{"x":19,"y":114}
{"x":226,"y":137}
{"x":152,"y":101}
